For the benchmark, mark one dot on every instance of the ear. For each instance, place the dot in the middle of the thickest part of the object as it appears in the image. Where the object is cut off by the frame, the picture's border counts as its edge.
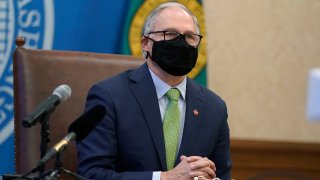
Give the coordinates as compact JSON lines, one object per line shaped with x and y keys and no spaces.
{"x":145,"y":44}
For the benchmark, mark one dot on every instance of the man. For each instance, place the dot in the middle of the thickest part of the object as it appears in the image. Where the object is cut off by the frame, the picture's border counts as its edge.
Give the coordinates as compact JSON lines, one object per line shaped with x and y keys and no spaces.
{"x":159,"y":124}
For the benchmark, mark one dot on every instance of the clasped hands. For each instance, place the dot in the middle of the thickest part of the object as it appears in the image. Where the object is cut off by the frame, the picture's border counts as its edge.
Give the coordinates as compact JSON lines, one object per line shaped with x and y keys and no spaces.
{"x":190,"y":168}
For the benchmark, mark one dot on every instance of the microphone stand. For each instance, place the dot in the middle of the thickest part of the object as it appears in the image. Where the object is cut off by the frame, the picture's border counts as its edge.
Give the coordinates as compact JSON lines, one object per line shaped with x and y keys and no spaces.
{"x":45,"y":131}
{"x":54,"y":173}
{"x":58,"y":170}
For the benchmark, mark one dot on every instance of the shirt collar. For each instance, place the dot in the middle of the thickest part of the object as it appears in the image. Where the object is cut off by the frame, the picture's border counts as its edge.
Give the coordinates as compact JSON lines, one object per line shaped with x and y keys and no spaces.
{"x":162,"y":87}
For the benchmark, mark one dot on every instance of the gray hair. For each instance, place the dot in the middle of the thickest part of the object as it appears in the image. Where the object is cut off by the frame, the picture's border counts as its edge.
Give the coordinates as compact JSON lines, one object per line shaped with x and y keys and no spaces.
{"x":148,"y":26}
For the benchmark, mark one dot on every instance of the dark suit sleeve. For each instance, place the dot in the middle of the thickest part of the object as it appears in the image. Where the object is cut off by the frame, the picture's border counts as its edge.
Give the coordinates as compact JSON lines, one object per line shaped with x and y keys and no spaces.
{"x":221,"y":154}
{"x":97,"y":153}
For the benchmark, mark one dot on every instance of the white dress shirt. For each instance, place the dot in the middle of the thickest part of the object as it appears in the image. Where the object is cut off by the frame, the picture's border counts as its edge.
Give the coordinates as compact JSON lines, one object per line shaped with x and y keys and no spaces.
{"x":161,"y":89}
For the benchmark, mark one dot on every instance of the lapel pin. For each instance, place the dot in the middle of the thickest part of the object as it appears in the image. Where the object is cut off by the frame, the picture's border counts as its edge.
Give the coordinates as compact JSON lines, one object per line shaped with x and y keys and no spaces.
{"x":195,"y":112}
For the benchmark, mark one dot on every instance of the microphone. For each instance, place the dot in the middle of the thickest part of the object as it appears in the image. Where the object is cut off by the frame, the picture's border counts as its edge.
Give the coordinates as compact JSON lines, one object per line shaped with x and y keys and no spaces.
{"x":78,"y":130}
{"x":60,"y":94}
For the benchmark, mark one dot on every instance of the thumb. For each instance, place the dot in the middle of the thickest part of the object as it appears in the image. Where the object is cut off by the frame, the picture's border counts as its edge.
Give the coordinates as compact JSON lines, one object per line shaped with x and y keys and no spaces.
{"x":183,"y":157}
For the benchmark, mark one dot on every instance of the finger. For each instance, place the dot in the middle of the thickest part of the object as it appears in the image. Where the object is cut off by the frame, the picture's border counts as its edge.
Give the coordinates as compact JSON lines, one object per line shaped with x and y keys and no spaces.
{"x":210,"y":173}
{"x":206,"y":171}
{"x":193,"y":158}
{"x":207,"y":174}
{"x":193,"y":174}
{"x":202,"y":163}
{"x":212,"y":165}
{"x":183,"y":157}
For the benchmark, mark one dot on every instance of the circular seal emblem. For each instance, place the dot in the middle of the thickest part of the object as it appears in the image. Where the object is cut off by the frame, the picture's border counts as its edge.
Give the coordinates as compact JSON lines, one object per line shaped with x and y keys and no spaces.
{"x":137,"y":24}
{"x":34,"y":20}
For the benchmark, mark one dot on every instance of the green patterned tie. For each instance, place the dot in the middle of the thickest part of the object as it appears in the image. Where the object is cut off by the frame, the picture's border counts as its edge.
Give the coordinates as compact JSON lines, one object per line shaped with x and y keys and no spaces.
{"x":171,"y":126}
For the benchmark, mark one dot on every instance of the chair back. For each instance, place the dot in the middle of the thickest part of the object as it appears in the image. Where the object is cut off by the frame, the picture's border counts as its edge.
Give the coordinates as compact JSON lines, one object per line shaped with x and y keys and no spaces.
{"x":36,"y":74}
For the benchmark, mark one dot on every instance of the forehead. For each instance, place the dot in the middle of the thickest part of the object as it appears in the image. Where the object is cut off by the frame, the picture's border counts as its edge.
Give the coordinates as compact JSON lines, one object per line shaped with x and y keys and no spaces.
{"x":174,"y":18}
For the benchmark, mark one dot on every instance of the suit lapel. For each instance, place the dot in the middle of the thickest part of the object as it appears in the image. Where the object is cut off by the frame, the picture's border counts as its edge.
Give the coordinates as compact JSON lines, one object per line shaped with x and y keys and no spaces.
{"x":195,"y":107}
{"x":143,"y":88}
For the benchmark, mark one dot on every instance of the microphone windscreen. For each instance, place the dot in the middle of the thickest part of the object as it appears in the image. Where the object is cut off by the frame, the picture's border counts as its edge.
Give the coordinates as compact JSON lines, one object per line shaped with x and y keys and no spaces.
{"x":63,"y":91}
{"x":87,"y":122}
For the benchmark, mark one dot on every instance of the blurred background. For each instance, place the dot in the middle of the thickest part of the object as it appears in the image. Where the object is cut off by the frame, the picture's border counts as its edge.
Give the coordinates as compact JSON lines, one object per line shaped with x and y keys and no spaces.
{"x":259,"y":58}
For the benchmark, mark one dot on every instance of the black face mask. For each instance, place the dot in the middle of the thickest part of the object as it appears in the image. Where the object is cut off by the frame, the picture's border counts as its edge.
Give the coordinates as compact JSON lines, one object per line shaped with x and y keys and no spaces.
{"x":176,"y":56}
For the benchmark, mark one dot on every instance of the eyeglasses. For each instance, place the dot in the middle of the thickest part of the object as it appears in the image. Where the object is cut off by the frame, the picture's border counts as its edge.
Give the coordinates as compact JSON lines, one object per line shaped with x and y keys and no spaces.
{"x":191,"y":39}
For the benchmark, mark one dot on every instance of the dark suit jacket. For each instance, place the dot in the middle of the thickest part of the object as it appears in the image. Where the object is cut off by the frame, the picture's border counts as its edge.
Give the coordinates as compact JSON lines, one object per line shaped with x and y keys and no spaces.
{"x":129,"y":143}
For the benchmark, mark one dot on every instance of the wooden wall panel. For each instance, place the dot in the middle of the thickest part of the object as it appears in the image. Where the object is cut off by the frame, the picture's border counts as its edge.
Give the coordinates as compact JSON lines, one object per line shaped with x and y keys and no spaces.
{"x":267,"y":160}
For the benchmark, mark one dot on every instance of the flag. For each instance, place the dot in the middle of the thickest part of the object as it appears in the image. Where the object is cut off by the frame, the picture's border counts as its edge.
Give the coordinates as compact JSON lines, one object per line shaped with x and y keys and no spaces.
{"x":112,"y":26}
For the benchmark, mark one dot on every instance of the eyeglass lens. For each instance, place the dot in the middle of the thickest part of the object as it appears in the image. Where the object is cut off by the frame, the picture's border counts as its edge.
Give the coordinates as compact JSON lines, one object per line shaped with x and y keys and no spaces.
{"x":192,"y":39}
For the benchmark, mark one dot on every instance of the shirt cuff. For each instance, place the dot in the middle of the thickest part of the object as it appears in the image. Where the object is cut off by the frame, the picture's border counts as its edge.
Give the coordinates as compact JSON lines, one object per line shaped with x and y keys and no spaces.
{"x":156,"y":175}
